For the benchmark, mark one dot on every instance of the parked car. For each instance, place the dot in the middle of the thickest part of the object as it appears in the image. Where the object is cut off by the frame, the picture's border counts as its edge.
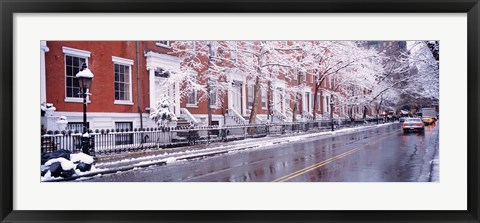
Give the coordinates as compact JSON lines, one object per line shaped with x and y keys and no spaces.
{"x":413,"y":124}
{"x":402,"y":119}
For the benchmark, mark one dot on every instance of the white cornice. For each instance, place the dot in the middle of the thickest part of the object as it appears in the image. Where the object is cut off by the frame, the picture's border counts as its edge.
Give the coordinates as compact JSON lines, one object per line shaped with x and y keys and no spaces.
{"x":122,"y":61}
{"x":76,"y":52}
{"x":157,"y":60}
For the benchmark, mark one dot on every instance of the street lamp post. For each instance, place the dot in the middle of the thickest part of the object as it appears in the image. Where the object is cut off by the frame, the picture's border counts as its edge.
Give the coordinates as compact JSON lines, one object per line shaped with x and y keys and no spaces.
{"x":84,"y":78}
{"x":331,"y":112}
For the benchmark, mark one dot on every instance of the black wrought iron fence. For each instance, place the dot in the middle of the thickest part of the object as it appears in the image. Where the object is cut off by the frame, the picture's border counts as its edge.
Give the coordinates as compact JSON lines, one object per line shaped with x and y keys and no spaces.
{"x":106,"y":141}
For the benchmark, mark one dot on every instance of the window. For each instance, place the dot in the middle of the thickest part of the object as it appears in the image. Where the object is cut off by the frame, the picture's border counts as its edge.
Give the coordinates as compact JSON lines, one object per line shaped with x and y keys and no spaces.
{"x":297,"y":100}
{"x":214,"y":47}
{"x":74,"y":60}
{"x":264,"y":98}
{"x":276,"y":69}
{"x":304,"y":75}
{"x":287,"y":101}
{"x":286,"y":71}
{"x":328,"y":103}
{"x":76,"y":126}
{"x":192,"y":95}
{"x":307,"y":101}
{"x":234,"y":51}
{"x":122,"y":80}
{"x":312,"y":76}
{"x":124,"y":138}
{"x":312,"y":102}
{"x":319,"y":99}
{"x":163,"y":43}
{"x":250,"y":96}
{"x":213,"y":95}
{"x":160,"y":72}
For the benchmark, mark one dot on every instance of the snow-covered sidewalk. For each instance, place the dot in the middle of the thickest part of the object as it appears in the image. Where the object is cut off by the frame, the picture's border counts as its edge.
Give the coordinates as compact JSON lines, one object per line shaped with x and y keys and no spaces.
{"x":125,"y":162}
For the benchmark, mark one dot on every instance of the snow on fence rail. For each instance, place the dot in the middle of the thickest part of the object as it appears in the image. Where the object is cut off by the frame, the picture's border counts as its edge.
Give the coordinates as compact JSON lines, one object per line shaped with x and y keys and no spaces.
{"x":106,"y":141}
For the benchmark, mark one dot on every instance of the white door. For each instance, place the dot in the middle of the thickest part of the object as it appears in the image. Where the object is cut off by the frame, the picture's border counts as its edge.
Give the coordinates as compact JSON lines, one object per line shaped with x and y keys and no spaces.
{"x":237,"y":98}
{"x":306,"y":102}
{"x":278,"y":100}
{"x":162,"y":87}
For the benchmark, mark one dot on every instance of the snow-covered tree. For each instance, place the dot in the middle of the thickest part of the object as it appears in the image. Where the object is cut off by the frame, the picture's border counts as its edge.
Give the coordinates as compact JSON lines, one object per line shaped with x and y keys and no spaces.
{"x":162,"y":113}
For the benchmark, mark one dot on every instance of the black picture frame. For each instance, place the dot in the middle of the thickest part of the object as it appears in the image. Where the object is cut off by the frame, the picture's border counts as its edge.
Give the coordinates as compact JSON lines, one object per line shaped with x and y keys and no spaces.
{"x":9,"y":7}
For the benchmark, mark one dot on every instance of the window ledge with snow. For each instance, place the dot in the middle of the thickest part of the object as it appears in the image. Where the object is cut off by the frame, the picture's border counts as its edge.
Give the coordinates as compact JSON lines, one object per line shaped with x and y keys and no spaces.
{"x":123,"y":102}
{"x":192,"y":106}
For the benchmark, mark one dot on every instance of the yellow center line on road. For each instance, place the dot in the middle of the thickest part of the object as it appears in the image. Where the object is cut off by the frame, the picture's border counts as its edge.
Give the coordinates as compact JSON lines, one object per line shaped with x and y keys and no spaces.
{"x":327,"y":161}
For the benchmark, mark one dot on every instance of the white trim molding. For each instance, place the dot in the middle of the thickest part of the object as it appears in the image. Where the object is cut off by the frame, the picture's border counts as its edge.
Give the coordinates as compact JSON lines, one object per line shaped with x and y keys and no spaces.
{"x":76,"y":52}
{"x":129,"y":63}
{"x":122,"y":61}
{"x":43,"y":83}
{"x":156,"y":60}
{"x":43,"y":46}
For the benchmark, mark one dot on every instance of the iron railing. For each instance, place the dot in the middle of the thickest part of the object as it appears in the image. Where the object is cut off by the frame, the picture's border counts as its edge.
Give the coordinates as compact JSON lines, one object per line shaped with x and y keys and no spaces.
{"x":107,"y":141}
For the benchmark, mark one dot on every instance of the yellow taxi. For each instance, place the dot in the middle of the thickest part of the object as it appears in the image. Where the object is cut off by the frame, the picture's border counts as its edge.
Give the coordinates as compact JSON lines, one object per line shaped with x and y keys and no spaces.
{"x":428,"y":120}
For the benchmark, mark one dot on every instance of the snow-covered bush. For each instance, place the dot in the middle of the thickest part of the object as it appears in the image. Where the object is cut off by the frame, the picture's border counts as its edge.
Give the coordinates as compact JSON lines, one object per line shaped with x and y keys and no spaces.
{"x":162,"y":114}
{"x":48,"y":108}
{"x":62,"y":122}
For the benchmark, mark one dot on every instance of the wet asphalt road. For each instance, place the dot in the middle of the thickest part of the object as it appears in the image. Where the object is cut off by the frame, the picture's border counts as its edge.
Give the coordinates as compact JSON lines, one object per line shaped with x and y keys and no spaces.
{"x":382,"y":154}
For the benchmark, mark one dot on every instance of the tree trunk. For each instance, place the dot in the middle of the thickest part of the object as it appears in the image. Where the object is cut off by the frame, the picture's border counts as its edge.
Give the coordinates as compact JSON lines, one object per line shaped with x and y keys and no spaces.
{"x":297,"y":99}
{"x":253,"y":111}
{"x":209,"y":107}
{"x":365,"y":112}
{"x":315,"y":100}
{"x":269,"y":102}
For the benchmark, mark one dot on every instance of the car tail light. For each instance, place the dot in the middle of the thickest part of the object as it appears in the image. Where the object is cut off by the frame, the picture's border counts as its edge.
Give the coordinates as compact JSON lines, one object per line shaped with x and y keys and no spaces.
{"x":419,"y":124}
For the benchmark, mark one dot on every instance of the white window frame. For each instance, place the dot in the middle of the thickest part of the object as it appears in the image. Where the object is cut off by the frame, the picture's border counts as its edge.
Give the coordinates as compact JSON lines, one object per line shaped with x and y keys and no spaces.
{"x":234,"y":52}
{"x":128,"y":63}
{"x":67,"y":51}
{"x":264,"y":96}
{"x":214,"y":46}
{"x":250,"y":95}
{"x":319,"y":101}
{"x":190,"y":105}
{"x":288,"y":99}
{"x":312,"y":103}
{"x":213,"y":90}
{"x":158,"y":43}
{"x":286,"y":71}
{"x":312,"y":74}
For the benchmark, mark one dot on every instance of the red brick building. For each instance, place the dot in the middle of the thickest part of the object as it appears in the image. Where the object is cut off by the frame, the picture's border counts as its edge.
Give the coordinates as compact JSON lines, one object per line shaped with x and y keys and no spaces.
{"x":129,"y":77}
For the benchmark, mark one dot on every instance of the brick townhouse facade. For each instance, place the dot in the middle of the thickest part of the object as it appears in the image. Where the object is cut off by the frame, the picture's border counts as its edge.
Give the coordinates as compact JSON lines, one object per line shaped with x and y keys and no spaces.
{"x":129,"y":77}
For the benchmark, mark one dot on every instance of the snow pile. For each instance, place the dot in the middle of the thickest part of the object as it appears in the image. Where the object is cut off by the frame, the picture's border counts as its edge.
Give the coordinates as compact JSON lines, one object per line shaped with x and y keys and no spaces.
{"x":81,"y":157}
{"x":62,"y":120}
{"x":62,"y":164}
